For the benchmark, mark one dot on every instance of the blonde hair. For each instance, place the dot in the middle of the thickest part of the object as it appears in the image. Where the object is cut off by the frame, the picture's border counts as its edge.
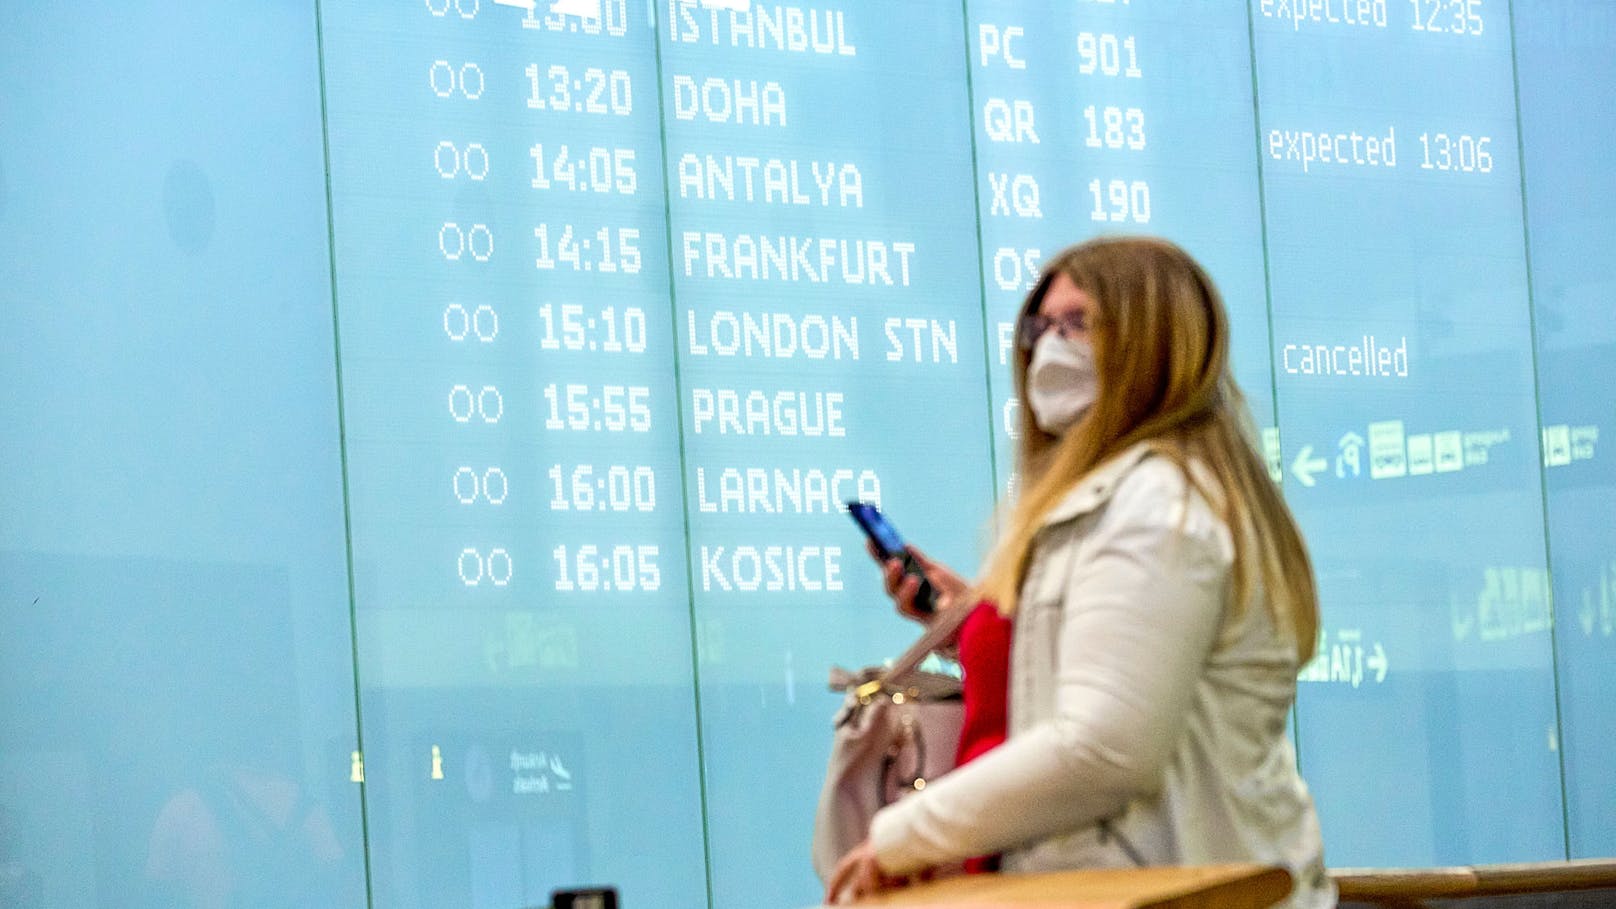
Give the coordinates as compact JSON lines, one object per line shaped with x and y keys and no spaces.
{"x":1161,"y":347}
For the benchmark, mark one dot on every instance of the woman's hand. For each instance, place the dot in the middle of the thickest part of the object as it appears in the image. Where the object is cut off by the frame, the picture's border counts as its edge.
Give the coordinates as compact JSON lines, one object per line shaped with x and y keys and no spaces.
{"x":950,"y":587}
{"x":856,"y":876}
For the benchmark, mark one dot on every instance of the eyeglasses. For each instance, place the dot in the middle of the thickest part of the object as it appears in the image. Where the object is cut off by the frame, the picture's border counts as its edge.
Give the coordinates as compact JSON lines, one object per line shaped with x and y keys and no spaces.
{"x":1032,"y":327}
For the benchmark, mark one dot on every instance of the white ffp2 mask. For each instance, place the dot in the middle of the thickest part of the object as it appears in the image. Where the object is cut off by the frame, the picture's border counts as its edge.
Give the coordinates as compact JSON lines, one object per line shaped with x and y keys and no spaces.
{"x":1061,"y":382}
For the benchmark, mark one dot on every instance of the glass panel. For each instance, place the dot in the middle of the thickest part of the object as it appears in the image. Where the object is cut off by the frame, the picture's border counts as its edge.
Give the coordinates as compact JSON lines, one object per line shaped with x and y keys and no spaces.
{"x":1116,"y":119}
{"x":1406,"y":405}
{"x":1567,"y":50}
{"x":830,"y":349}
{"x":176,"y":675}
{"x":524,"y":635}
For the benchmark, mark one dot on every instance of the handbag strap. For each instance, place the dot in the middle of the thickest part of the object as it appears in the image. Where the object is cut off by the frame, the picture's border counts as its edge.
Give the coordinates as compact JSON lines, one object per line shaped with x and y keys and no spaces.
{"x":942,"y":629}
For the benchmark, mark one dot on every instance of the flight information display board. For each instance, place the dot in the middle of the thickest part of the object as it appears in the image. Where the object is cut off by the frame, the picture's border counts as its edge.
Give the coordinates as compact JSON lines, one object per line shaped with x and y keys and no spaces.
{"x":631,"y":301}
{"x":616,"y":305}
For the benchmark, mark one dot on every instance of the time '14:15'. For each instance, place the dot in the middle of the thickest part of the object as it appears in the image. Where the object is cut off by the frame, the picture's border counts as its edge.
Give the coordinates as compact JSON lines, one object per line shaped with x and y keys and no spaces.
{"x":609,"y":251}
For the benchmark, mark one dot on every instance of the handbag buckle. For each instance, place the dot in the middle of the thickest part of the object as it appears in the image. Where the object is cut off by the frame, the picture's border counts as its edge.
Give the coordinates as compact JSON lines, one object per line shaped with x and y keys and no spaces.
{"x":867,"y":690}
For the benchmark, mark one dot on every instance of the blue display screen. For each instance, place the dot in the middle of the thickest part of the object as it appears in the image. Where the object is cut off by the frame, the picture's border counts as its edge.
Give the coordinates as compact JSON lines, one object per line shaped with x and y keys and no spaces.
{"x":1398,"y":304}
{"x":1562,"y":48}
{"x":434,"y":421}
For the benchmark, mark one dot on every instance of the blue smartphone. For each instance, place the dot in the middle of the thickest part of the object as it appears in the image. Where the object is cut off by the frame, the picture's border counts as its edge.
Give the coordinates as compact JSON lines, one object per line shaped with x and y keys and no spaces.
{"x":889,"y":545}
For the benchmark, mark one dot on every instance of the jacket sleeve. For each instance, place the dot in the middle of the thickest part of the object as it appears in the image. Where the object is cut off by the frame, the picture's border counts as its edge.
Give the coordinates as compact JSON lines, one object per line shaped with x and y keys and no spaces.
{"x":1139,"y":616}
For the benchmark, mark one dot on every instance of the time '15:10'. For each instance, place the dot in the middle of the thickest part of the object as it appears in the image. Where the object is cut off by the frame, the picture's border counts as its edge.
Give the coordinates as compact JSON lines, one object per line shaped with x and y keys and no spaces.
{"x":607,"y":329}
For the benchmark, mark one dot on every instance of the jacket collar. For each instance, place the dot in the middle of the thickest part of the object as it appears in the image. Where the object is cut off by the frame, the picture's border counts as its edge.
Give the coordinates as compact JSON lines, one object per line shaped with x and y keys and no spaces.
{"x":1095,"y":489}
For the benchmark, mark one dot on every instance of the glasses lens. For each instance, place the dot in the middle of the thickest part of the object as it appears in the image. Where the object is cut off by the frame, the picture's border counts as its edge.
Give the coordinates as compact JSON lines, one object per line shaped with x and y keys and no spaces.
{"x":1032,"y":328}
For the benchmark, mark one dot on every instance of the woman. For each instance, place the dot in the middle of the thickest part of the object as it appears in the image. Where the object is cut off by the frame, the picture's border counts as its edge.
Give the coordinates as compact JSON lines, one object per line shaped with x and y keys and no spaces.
{"x":1162,"y":602}
{"x":982,"y":647}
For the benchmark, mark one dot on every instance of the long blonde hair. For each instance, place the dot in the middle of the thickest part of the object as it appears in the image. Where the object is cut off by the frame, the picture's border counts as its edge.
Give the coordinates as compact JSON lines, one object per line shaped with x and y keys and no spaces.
{"x":1161,"y":347}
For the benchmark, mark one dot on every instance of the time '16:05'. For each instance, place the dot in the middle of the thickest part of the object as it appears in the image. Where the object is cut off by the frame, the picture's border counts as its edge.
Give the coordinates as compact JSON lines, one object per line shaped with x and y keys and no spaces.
{"x":590,"y":567}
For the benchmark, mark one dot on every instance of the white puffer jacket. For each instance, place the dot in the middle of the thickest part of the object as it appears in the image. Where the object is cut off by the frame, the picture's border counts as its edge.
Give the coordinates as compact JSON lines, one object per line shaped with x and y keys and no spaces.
{"x":1147,"y":714}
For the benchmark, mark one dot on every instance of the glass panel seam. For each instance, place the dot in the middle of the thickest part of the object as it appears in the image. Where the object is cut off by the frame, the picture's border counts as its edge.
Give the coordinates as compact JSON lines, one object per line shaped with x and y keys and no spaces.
{"x":1537,"y":402}
{"x":342,"y":446}
{"x":1268,"y":301}
{"x":981,"y":263}
{"x":684,"y":486}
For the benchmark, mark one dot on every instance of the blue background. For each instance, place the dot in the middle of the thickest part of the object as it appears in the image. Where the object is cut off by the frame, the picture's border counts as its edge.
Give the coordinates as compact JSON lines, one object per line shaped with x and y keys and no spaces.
{"x":241,"y":659}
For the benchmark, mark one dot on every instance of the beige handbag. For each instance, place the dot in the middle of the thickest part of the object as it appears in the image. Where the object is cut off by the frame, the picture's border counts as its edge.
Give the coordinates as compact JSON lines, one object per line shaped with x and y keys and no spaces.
{"x":897,"y":728}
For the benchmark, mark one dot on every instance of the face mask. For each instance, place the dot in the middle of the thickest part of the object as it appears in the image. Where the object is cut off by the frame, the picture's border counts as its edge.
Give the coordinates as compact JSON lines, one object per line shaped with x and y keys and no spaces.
{"x":1061,"y":382}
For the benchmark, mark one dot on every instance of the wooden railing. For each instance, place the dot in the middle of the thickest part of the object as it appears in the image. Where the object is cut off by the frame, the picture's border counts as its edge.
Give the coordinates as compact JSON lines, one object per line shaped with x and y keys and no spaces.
{"x":1199,"y":887}
{"x":1407,"y":887}
{"x":1249,"y":887}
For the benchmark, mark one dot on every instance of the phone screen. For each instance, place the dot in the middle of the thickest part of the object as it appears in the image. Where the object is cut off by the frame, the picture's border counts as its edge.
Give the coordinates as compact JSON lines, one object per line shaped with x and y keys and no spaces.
{"x":890,"y":546}
{"x":876,"y":525}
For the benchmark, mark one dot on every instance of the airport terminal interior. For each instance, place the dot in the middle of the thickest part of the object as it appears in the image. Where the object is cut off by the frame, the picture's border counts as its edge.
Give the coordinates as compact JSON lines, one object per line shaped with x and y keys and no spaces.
{"x":429,"y":423}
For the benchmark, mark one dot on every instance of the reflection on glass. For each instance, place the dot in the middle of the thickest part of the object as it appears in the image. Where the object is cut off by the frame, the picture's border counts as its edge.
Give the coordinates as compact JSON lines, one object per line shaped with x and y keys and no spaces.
{"x":1406,"y":409}
{"x":513,"y":453}
{"x":176,"y":683}
{"x":1563,"y":49}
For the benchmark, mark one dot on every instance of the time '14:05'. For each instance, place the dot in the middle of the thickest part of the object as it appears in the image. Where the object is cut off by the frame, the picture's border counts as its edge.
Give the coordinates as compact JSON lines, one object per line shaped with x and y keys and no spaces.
{"x":597,"y":170}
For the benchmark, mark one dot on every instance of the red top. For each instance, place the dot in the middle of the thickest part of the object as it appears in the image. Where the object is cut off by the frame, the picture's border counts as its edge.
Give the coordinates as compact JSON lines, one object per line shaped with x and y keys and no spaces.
{"x":984,"y":656}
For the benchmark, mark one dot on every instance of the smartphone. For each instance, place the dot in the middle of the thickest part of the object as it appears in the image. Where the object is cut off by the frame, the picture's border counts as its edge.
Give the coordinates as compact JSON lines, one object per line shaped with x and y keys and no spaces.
{"x":889,"y":545}
{"x":588,"y":898}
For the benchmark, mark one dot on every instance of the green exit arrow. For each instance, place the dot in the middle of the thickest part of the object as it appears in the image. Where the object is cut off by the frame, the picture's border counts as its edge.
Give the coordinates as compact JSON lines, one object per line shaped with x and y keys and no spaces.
{"x":1306,"y":466}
